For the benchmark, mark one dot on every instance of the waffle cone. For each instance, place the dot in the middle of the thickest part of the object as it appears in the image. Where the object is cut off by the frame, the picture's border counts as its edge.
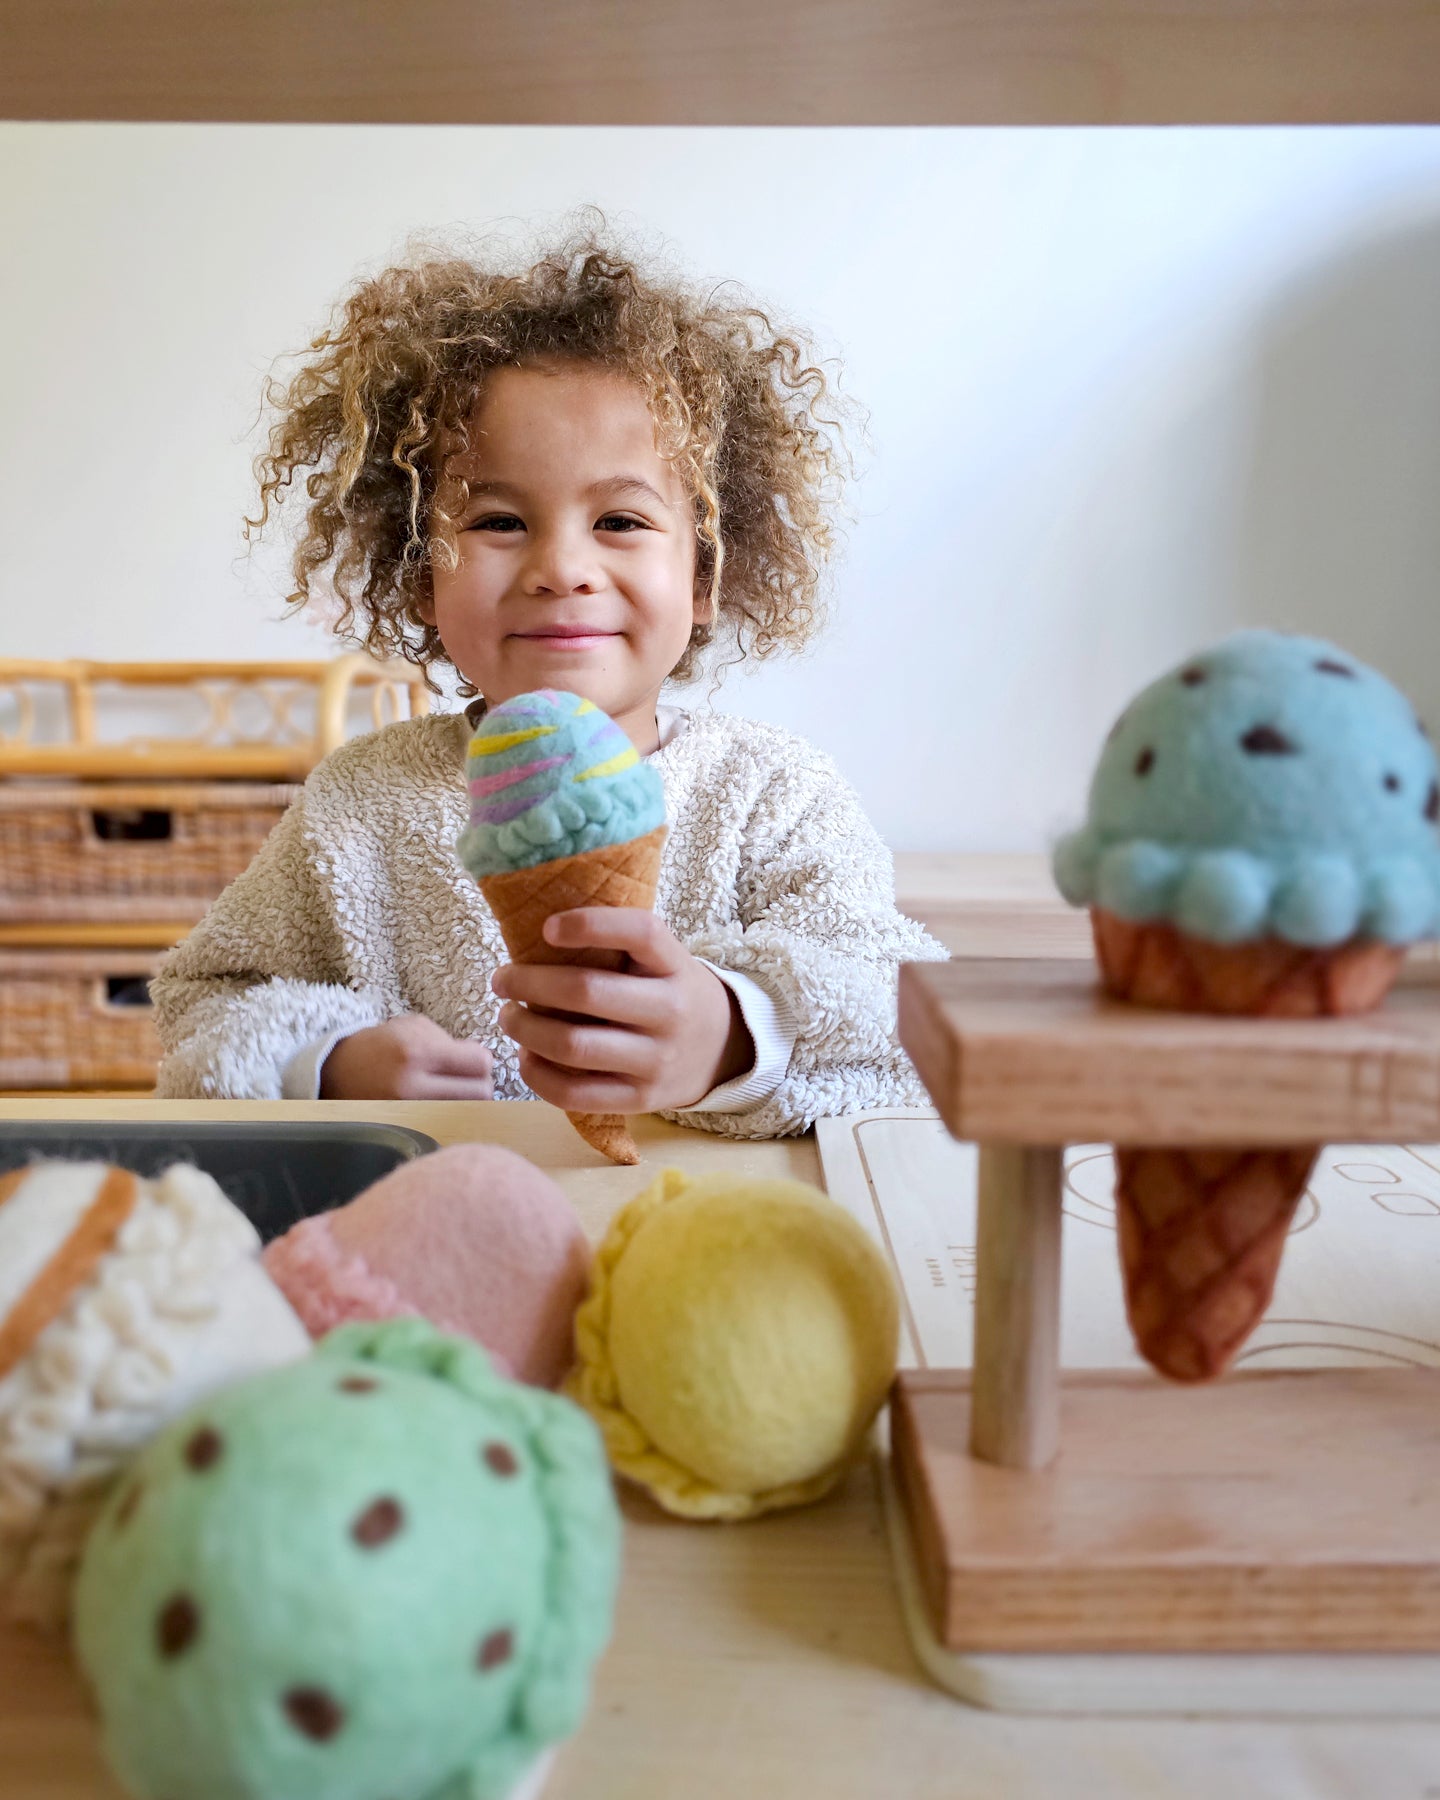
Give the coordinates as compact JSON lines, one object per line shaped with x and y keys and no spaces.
{"x":1156,"y":965}
{"x":523,"y":899}
{"x":1202,"y":1231}
{"x":1201,"y":1235}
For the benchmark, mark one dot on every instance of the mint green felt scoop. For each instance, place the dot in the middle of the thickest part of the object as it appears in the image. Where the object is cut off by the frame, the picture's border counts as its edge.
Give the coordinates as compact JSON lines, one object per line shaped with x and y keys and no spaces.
{"x":1272,"y":785}
{"x":384,"y":1573}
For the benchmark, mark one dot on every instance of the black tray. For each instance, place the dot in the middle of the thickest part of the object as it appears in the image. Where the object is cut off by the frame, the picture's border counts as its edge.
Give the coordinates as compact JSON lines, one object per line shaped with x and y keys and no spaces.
{"x":275,"y":1173}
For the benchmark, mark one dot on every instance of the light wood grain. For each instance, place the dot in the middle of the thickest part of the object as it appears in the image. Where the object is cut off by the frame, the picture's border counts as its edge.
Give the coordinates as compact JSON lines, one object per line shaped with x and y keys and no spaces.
{"x":165,"y":762}
{"x":1015,"y":1418}
{"x":1280,"y":1511}
{"x":981,"y":904}
{"x":1033,"y":1053}
{"x":685,"y":62}
{"x":101,"y":934}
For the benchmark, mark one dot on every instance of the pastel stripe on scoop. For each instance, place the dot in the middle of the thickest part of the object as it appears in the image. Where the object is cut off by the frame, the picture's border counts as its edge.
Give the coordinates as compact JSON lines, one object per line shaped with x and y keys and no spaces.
{"x":481,"y":785}
{"x":507,"y":740}
{"x":613,"y":767}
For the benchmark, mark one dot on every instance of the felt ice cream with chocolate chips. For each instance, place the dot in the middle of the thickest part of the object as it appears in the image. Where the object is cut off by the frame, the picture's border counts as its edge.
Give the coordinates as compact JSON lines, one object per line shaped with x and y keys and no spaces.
{"x":1260,"y":840}
{"x":122,"y":1301}
{"x":384,"y":1573}
{"x":1270,"y":791}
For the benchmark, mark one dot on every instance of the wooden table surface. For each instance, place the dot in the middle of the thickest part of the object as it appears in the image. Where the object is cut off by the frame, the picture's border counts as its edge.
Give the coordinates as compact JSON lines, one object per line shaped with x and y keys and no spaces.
{"x":764,"y":1660}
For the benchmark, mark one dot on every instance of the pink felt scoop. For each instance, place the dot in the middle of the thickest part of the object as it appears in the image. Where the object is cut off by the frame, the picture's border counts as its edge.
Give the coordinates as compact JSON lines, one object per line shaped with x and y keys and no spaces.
{"x":474,"y":1238}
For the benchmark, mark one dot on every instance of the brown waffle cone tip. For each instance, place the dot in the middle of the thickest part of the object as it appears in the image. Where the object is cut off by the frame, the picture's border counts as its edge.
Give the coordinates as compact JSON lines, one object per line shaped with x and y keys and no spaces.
{"x":1202,"y":1230}
{"x":523,"y":899}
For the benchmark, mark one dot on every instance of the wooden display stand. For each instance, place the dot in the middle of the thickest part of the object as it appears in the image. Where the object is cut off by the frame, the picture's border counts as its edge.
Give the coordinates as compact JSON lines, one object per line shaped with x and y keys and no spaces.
{"x":1278,"y":1511}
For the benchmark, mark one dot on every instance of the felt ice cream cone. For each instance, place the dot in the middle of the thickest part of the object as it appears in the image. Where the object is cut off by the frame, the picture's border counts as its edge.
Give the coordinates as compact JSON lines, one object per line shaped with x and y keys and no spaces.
{"x":613,"y":875}
{"x":1260,"y":843}
{"x":564,"y":814}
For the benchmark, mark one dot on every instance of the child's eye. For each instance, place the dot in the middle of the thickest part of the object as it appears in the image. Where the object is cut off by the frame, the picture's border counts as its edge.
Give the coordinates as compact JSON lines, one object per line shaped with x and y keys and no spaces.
{"x":509,"y":519}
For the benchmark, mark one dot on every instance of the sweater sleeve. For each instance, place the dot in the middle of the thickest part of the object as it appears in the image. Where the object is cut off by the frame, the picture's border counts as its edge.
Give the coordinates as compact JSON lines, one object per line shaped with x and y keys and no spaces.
{"x":818,"y":927}
{"x":265,"y":972}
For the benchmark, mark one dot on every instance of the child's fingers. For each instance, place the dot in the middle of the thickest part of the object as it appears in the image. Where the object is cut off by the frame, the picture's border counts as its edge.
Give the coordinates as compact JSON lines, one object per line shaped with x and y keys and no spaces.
{"x":576,"y":1092}
{"x":454,"y":1087}
{"x":592,"y":993}
{"x":653,"y":947}
{"x":458,"y":1057}
{"x":572,"y":1045}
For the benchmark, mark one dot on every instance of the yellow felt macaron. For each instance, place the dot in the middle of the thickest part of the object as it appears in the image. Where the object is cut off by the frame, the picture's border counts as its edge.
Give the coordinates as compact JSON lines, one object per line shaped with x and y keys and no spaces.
{"x":739,"y":1338}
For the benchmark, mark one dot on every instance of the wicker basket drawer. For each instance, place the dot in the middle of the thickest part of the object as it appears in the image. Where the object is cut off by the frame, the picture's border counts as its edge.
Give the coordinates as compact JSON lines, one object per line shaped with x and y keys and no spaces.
{"x":77,"y":1018}
{"x":88,"y":851}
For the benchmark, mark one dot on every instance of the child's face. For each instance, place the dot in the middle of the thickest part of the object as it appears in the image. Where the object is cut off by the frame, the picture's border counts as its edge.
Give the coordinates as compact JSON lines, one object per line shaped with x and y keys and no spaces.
{"x":567,"y":578}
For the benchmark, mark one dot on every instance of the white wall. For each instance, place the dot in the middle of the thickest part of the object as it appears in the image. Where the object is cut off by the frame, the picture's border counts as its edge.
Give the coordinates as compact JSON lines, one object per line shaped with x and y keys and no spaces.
{"x":1127,"y":390}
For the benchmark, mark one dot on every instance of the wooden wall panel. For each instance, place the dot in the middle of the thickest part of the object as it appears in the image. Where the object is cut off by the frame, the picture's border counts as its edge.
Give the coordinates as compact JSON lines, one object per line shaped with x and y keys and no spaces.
{"x":724,"y":62}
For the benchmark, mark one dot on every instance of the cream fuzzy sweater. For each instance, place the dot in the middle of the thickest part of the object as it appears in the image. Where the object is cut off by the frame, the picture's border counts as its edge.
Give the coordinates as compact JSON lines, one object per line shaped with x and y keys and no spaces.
{"x":355,"y":910}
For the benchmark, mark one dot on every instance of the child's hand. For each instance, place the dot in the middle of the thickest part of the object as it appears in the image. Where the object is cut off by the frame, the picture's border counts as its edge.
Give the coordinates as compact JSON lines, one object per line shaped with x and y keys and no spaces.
{"x":410,"y":1058}
{"x":658,"y":1036}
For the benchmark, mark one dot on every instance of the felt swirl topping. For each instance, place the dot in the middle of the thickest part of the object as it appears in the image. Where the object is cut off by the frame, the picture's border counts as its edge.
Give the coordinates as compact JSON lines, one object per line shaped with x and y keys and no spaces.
{"x":551,"y":775}
{"x":38,"y":1277}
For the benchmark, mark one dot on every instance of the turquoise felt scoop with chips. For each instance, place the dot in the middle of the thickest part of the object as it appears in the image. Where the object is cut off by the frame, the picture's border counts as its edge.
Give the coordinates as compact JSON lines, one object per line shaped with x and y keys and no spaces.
{"x":1271,"y":786}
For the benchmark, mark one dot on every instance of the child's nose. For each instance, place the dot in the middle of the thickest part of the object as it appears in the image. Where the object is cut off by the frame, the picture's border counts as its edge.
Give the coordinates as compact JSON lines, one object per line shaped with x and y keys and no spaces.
{"x":559,"y":562}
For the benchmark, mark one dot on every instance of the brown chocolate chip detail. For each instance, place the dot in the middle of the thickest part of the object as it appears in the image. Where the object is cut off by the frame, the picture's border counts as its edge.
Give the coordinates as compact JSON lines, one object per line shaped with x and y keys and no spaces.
{"x":1432,"y":802}
{"x":1145,"y":762}
{"x":1392,"y":784}
{"x":1192,"y":677}
{"x":177,"y":1625}
{"x":498,"y":1648}
{"x":378,"y":1523}
{"x":1265,"y":740}
{"x":125,"y":1511}
{"x":357,"y":1384}
{"x":314,"y":1712}
{"x":1327,"y":666}
{"x":204,"y":1448}
{"x":500,"y":1459}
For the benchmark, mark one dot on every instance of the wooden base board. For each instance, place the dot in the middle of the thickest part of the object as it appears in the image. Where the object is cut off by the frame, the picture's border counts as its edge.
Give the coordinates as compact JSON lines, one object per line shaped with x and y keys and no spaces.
{"x":1294,"y":1510}
{"x":1207,"y":1684}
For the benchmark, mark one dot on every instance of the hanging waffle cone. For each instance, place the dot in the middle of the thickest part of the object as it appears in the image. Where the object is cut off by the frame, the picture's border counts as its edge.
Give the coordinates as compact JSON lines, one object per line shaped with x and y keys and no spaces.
{"x":523,"y":899}
{"x":1201,"y":1235}
{"x":1202,"y":1230}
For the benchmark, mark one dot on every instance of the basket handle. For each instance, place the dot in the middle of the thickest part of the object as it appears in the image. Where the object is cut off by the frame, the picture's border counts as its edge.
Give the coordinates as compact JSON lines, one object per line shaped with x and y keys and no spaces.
{"x":341,"y":676}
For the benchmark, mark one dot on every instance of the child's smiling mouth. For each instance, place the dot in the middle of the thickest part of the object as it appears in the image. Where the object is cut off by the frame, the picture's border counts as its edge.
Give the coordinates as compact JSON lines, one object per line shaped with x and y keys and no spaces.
{"x":567,"y":637}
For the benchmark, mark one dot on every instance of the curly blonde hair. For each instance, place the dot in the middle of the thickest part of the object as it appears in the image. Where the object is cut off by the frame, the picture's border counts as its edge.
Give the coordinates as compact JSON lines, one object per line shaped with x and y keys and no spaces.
{"x":379,"y":411}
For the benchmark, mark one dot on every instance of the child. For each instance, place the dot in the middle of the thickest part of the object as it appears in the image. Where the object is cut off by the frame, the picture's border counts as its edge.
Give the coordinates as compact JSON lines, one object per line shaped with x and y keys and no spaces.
{"x":578,"y":478}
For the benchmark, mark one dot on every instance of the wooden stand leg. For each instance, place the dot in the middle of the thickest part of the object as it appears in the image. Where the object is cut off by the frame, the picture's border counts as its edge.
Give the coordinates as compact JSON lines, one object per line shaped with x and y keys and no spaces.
{"x":1015,"y":1415}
